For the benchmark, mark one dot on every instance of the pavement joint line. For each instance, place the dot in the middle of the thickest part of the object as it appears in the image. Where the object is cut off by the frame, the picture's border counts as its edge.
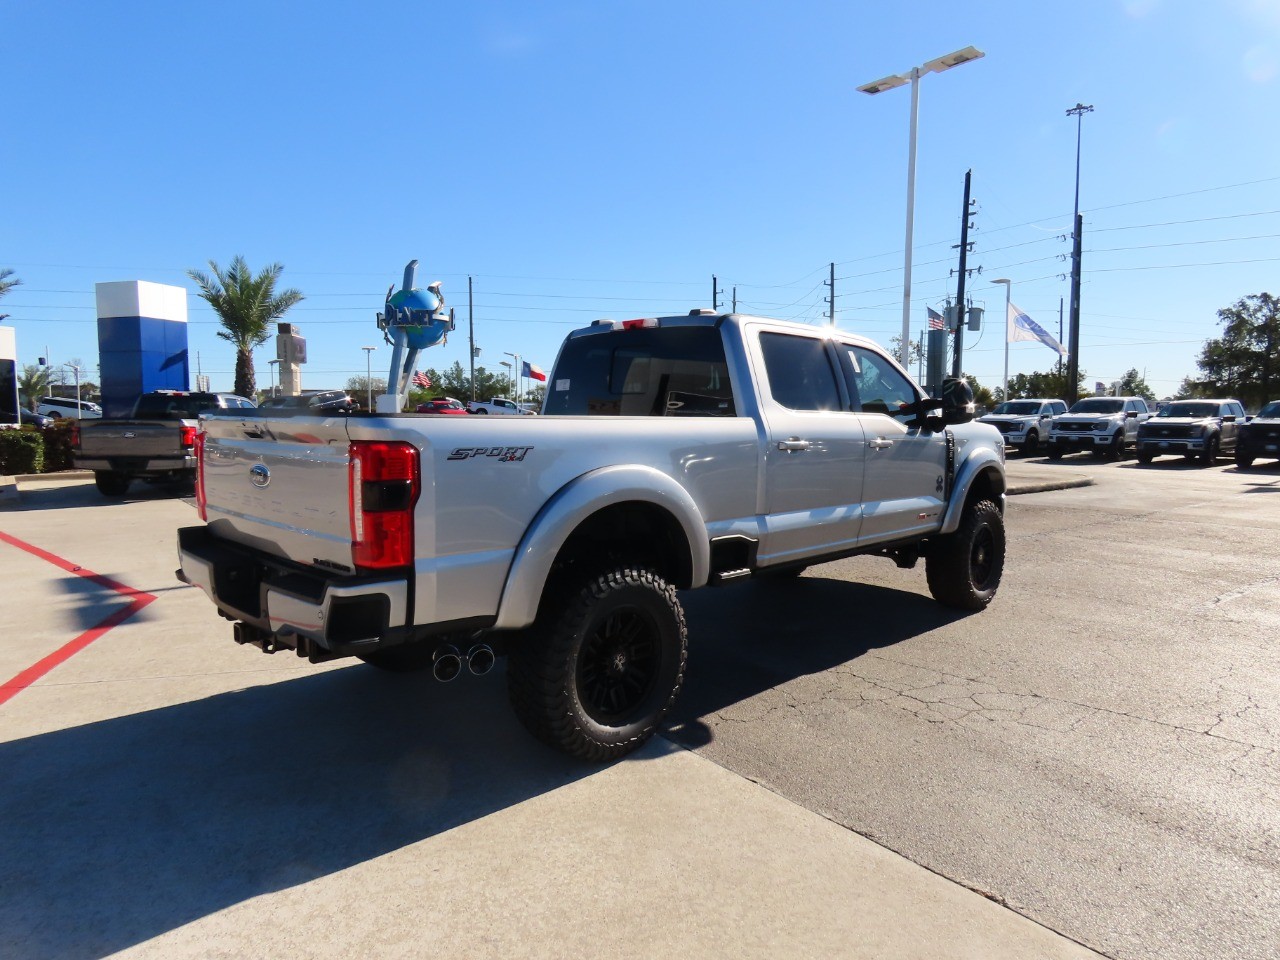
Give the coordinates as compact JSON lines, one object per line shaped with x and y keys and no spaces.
{"x":31,"y":674}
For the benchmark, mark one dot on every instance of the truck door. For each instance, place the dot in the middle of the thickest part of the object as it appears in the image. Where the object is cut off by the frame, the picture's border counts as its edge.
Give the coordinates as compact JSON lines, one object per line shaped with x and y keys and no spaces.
{"x":904,"y":480}
{"x":813,"y":454}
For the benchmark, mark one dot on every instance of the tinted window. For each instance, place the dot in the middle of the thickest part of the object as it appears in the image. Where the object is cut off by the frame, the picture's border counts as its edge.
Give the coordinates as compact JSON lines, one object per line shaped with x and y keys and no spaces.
{"x":163,"y":406}
{"x":877,"y":386}
{"x":799,"y":371}
{"x":672,"y":372}
{"x":1098,"y":405}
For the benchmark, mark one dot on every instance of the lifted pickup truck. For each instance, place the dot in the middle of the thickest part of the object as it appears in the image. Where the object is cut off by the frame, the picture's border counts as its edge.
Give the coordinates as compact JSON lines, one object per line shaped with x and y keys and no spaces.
{"x":673,"y":453}
{"x":157,"y":441}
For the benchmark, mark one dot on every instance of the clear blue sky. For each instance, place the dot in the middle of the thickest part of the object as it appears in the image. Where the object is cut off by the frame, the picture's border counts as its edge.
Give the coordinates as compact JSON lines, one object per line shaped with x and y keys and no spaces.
{"x":586,"y":159}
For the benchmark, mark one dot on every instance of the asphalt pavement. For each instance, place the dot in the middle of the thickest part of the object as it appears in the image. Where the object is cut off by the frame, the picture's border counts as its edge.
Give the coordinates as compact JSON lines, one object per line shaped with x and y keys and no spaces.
{"x":168,"y":794}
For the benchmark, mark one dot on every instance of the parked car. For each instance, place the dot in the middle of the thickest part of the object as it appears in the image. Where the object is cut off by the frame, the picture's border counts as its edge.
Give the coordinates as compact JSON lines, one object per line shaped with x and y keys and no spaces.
{"x":1105,"y":425}
{"x":1259,"y":439}
{"x":68,"y":407}
{"x":1025,"y":423}
{"x":1194,"y":428}
{"x":443,"y":405}
{"x":157,"y":442}
{"x":34,"y":419}
{"x":310,"y":402}
{"x":498,"y":405}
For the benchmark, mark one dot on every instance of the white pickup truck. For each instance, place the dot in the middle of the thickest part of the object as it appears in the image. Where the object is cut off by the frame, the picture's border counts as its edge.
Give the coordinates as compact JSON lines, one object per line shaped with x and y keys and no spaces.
{"x":673,"y":453}
{"x":498,"y":405}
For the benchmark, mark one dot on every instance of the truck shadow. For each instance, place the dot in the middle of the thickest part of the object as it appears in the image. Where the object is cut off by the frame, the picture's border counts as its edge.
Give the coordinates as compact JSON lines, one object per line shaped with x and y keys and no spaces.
{"x":82,"y":493}
{"x":751,"y":637}
{"x":120,"y":830}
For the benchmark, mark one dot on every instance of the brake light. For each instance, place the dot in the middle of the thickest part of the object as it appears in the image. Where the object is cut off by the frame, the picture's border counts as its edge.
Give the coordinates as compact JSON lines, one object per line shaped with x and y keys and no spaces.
{"x":647,"y":323}
{"x":383,"y":487}
{"x":189,"y":436}
{"x":201,"y":499}
{"x":75,"y":435}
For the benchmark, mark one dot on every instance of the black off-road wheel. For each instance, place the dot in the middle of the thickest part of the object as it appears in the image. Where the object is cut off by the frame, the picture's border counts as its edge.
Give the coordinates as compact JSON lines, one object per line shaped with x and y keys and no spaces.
{"x":1145,"y":458}
{"x":1115,"y":449}
{"x":110,"y":483}
{"x":1243,"y":460}
{"x":1055,"y":453}
{"x":602,"y":666}
{"x":1031,"y":446}
{"x":964,"y":568}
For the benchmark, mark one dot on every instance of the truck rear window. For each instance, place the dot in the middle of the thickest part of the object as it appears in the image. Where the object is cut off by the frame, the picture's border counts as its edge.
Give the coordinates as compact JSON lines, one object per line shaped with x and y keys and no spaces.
{"x":672,"y":372}
{"x":159,"y":406}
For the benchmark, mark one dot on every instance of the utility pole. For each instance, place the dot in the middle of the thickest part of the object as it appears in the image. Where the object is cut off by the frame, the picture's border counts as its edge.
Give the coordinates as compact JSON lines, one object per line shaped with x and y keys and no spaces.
{"x":715,"y":294}
{"x":961,"y":319}
{"x":471,"y":327}
{"x":1073,"y":348}
{"x":831,"y":300}
{"x":735,"y":298}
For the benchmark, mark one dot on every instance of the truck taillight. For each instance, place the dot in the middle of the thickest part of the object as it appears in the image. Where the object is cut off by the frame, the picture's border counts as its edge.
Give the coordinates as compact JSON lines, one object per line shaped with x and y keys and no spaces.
{"x":75,"y":435}
{"x":189,"y":436}
{"x":201,"y":500}
{"x":645,"y":323}
{"x":383,"y":488}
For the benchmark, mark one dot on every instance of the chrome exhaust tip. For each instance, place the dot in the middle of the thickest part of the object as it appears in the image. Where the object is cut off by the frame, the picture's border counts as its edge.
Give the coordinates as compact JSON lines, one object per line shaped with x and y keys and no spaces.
{"x":446,"y":663}
{"x":480,"y":659}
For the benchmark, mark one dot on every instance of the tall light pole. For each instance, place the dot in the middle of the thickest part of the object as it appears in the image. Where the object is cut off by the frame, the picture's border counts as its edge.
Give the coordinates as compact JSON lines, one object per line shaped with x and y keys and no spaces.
{"x":504,"y":363}
{"x":272,"y":364}
{"x":888,"y":83}
{"x":1008,"y":295}
{"x":1073,"y":351}
{"x":517,"y":371}
{"x":368,"y":373}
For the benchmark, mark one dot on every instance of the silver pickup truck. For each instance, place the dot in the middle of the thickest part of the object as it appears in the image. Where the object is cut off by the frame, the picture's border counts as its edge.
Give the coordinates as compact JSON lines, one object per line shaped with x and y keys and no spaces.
{"x":673,"y":453}
{"x":157,"y":441}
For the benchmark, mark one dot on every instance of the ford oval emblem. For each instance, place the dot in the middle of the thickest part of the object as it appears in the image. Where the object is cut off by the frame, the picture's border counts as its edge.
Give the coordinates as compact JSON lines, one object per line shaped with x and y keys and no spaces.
{"x":259,"y":475}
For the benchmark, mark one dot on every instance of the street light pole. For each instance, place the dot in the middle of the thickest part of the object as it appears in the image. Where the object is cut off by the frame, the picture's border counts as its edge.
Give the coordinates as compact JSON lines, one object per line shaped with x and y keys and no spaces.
{"x":1073,"y":352}
{"x":76,"y":371}
{"x":504,"y":363}
{"x":368,"y":373}
{"x":272,"y":365}
{"x":888,"y":83}
{"x":517,"y":371}
{"x":1008,"y":294}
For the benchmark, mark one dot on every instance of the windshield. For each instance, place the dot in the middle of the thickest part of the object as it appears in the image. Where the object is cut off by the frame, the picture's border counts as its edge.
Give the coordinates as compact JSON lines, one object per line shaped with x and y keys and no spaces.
{"x":1098,"y":405}
{"x":1020,"y":408}
{"x":1189,"y":409}
{"x":1271,"y":411}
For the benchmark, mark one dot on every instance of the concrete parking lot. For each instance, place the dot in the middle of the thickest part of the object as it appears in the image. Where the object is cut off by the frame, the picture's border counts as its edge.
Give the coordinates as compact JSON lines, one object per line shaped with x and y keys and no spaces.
{"x":1090,"y":765}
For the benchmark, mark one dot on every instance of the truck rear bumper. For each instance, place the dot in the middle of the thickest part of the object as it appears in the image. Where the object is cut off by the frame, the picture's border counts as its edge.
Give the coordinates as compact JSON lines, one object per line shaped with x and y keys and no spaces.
{"x":344,"y":615}
{"x":137,"y":466}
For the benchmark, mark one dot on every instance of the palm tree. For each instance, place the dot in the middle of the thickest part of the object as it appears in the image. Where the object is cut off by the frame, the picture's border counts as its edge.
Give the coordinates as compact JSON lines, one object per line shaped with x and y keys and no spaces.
{"x":6,"y":285}
{"x":246,"y":305}
{"x":33,"y":384}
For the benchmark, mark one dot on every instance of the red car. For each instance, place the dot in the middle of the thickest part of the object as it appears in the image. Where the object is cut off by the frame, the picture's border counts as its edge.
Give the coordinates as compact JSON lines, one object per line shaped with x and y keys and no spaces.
{"x":442,"y":405}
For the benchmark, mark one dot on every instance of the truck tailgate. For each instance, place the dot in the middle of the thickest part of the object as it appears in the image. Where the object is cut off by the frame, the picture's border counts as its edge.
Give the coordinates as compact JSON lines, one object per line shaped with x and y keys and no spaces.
{"x":131,"y":438}
{"x":280,"y":486}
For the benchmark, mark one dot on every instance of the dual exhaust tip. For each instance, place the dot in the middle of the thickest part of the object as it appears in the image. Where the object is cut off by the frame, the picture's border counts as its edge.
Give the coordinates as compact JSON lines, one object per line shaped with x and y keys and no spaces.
{"x":447,"y":661}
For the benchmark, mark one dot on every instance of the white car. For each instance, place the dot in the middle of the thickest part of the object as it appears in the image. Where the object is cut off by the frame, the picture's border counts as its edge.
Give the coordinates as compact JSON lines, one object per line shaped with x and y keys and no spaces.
{"x":1025,"y":423}
{"x":67,"y":407}
{"x":498,"y":405}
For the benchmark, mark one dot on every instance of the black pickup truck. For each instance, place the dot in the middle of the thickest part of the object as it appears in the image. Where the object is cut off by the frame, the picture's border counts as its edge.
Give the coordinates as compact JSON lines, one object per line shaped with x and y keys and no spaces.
{"x":156,"y":442}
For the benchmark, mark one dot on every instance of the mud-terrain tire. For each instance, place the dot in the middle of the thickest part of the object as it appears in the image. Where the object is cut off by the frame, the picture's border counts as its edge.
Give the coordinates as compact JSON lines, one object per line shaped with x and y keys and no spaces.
{"x":110,"y":483}
{"x":1032,"y":445}
{"x":597,"y":673}
{"x":1055,"y":453}
{"x":964,"y":568}
{"x":1115,"y":449}
{"x":1243,"y":460}
{"x":1145,"y":458}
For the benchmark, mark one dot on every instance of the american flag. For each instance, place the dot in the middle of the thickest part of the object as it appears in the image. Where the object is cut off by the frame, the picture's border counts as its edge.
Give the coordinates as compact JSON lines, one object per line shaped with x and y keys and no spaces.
{"x":421,"y":380}
{"x":935,"y":319}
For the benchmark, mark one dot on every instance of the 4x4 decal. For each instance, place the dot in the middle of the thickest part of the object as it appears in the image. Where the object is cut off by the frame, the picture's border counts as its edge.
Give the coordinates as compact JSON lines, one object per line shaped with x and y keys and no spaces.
{"x":501,"y":454}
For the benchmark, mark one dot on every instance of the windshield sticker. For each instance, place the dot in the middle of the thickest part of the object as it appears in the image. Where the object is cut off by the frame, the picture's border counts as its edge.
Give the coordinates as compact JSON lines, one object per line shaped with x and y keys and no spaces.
{"x":562,"y":384}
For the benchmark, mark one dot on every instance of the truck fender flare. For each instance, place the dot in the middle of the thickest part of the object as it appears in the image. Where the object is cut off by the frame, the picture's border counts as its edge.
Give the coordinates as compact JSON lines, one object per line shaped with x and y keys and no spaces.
{"x":573,"y":503}
{"x":979,"y":463}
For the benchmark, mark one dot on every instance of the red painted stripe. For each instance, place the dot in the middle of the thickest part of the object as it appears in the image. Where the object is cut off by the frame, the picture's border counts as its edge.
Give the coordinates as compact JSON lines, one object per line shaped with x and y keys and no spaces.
{"x":37,"y":670}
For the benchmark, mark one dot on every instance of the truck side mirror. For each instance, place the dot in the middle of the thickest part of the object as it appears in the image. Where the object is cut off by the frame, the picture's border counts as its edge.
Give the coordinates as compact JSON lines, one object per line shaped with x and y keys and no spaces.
{"x":957,"y":401}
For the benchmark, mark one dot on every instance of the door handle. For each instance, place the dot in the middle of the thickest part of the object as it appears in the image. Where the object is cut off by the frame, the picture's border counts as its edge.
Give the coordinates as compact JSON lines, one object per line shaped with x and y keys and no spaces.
{"x":793,"y":445}
{"x":880,"y":443}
